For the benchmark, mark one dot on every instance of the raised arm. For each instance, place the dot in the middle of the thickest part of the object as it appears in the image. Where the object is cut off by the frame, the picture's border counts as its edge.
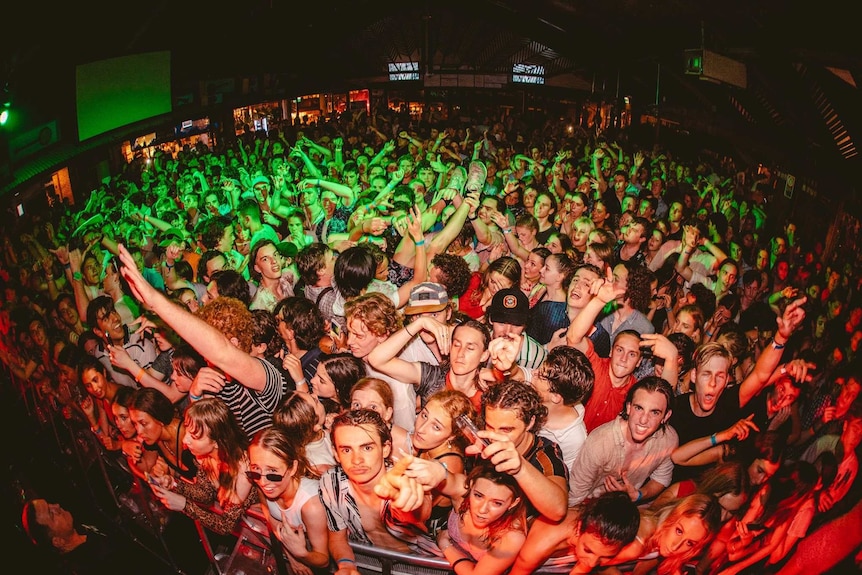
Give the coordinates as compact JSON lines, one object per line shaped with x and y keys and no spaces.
{"x":603,"y":291}
{"x":387,"y":149}
{"x":787,"y":323}
{"x":385,"y":358}
{"x":322,"y":150}
{"x":515,"y":245}
{"x":206,"y":339}
{"x":340,"y":190}
{"x":420,"y":262}
{"x":313,"y":171}
{"x":687,"y":248}
{"x":453,"y":227}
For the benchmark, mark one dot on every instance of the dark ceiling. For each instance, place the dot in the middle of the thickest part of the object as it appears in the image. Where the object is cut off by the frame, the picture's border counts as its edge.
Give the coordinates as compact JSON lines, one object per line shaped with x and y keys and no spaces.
{"x":804,"y":60}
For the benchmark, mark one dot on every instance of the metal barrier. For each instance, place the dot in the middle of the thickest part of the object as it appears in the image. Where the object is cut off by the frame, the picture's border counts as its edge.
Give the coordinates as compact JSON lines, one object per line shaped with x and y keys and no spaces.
{"x":369,"y":559}
{"x":256,"y":550}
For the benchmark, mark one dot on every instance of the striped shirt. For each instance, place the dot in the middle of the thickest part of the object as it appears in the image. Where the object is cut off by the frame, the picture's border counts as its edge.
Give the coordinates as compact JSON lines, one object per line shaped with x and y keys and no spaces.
{"x":532,"y":353}
{"x":253,"y":409}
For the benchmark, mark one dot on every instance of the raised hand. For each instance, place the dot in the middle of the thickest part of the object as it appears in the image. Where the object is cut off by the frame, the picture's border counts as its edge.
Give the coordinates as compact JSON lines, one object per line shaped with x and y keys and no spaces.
{"x":62,"y":254}
{"x":406,"y":493}
{"x":504,"y":350}
{"x":661,"y":346}
{"x":414,"y":224}
{"x":605,"y":289}
{"x":798,"y":369}
{"x":792,"y":317}
{"x":143,"y":291}
{"x":739,"y":430}
{"x":439,"y":330}
{"x":500,"y":451}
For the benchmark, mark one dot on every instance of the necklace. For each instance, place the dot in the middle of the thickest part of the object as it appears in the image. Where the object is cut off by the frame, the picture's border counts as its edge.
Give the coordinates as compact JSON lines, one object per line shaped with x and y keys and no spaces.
{"x":165,"y":443}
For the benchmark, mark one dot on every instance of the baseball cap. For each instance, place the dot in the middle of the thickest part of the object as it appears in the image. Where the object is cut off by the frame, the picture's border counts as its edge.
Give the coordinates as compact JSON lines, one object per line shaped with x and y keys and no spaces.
{"x":511,"y":306}
{"x":171,"y":235}
{"x":427,"y":297}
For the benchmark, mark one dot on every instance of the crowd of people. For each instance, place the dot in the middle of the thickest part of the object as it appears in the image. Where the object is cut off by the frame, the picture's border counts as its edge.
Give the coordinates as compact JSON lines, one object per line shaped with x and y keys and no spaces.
{"x":505,"y":344}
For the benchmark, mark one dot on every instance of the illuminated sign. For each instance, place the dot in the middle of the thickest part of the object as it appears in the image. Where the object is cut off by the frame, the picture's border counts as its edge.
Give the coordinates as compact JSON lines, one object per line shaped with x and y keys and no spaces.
{"x":528,"y":74}
{"x":399,"y":71}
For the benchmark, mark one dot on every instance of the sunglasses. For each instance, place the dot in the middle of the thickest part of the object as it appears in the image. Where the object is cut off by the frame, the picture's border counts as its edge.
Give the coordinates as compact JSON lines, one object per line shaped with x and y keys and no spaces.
{"x":271,"y":477}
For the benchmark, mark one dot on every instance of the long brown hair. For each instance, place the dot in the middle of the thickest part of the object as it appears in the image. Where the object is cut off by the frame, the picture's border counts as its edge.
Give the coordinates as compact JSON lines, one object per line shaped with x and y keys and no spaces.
{"x":506,"y":266}
{"x":211,"y":416}
{"x":514,"y":518}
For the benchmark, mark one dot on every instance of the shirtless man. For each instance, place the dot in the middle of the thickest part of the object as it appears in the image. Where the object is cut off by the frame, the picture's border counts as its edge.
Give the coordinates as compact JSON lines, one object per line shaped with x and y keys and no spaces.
{"x":355,"y":511}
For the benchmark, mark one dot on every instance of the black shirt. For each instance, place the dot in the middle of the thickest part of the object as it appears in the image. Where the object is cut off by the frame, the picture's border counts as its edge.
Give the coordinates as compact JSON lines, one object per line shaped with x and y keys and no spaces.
{"x":689,"y":426}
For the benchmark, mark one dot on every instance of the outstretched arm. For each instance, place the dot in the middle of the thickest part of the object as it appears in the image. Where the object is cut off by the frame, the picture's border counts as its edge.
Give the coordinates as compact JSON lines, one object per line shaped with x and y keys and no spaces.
{"x":602,"y":291}
{"x":413,"y":223}
{"x":708,"y":449}
{"x":789,"y":321}
{"x":206,"y":339}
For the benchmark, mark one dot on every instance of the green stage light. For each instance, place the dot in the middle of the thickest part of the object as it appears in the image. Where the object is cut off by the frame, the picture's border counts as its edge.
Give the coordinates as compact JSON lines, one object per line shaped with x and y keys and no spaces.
{"x":4,"y":115}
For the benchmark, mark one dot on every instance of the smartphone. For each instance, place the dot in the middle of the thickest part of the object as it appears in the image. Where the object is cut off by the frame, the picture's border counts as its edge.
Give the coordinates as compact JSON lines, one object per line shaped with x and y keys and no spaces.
{"x":756,"y":527}
{"x":469,"y":430}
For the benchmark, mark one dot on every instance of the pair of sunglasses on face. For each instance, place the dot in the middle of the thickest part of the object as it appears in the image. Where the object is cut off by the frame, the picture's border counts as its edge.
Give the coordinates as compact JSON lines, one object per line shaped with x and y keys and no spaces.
{"x":271,"y":477}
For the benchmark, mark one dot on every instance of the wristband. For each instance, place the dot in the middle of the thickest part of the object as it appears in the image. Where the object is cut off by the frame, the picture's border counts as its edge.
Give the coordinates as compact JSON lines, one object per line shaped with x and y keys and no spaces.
{"x":640,"y":496}
{"x":194,"y":397}
{"x":776,"y":345}
{"x":67,"y":266}
{"x":712,"y":440}
{"x":169,"y":266}
{"x":408,"y":331}
{"x":77,"y":277}
{"x":140,"y":375}
{"x":96,"y":429}
{"x":345,"y":560}
{"x":455,"y":564}
{"x":419,"y":243}
{"x":302,"y":381}
{"x":507,"y":231}
{"x":446,"y":468}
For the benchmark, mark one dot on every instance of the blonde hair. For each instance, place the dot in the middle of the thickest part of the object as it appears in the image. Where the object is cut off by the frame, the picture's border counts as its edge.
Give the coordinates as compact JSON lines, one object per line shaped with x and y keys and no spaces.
{"x":698,"y":505}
